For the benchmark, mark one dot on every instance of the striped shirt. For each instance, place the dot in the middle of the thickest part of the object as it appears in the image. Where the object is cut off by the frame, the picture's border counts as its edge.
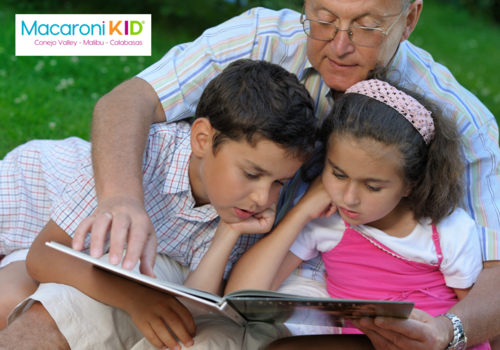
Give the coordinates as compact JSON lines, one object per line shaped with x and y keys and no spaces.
{"x":32,"y":177}
{"x":277,"y":36}
{"x":54,"y":179}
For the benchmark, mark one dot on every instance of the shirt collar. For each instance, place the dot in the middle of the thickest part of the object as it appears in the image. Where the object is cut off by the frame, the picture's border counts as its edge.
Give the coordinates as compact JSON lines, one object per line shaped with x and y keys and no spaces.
{"x":177,"y":184}
{"x":398,"y":64}
{"x":305,"y":70}
{"x":309,"y":69}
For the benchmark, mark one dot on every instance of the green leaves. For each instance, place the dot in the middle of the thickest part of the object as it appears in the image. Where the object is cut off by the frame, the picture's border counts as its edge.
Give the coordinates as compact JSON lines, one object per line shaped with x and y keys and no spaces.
{"x":488,"y":8}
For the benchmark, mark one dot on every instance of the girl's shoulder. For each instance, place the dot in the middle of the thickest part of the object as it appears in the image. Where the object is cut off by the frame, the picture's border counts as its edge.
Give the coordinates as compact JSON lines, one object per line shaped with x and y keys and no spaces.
{"x":461,"y":247}
{"x":457,"y":224}
{"x":333,"y":222}
{"x":322,"y":234}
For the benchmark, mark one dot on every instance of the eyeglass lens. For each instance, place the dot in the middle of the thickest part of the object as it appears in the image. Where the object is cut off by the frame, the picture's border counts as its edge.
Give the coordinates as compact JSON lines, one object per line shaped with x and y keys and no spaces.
{"x":358,"y":36}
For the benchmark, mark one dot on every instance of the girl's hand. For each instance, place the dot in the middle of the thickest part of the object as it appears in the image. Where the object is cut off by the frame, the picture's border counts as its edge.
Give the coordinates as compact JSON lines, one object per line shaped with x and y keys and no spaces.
{"x":258,"y":223}
{"x":316,"y":203}
{"x":151,"y":310}
{"x":420,"y":332}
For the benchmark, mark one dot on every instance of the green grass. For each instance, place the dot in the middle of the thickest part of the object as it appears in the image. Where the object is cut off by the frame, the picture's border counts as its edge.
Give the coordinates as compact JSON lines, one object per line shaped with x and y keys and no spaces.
{"x":53,"y":97}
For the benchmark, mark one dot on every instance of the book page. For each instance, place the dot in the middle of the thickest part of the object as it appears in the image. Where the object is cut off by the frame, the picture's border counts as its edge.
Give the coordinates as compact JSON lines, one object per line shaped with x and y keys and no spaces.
{"x":164,"y":286}
{"x":316,"y":311}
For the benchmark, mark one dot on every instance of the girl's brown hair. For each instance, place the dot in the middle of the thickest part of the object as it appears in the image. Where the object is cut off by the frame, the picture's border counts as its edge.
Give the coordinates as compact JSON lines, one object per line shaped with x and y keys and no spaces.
{"x":434,"y":171}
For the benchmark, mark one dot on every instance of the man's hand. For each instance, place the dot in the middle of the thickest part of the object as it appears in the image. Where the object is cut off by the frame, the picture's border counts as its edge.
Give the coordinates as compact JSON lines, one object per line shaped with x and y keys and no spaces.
{"x":128,"y":222}
{"x":151,"y":310}
{"x":420,"y":332}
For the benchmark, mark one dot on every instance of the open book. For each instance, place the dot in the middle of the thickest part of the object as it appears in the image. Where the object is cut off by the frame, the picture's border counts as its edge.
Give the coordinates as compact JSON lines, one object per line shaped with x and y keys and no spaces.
{"x":259,"y":305}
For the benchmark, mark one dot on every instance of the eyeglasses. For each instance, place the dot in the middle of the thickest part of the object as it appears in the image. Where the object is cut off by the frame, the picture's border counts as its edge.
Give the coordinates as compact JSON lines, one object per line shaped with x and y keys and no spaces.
{"x":361,"y":36}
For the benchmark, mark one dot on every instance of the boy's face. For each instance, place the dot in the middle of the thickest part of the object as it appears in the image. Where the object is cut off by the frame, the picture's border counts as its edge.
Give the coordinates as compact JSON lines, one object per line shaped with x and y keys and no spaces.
{"x":240,"y":180}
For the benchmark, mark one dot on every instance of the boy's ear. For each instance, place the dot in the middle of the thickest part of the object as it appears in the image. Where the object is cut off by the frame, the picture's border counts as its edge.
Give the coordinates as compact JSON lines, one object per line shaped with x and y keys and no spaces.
{"x":201,"y":137}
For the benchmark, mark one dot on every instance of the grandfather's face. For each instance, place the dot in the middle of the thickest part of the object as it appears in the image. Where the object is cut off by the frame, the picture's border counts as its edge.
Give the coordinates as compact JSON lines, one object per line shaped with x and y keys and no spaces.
{"x":340,"y":62}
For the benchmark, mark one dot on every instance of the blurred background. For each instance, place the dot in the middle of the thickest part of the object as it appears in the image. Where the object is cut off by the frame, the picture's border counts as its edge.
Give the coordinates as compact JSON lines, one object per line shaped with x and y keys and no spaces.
{"x":53,"y":97}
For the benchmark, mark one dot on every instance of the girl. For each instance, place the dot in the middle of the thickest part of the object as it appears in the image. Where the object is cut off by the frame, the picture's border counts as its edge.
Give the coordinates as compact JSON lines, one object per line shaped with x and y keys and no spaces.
{"x":383,"y":214}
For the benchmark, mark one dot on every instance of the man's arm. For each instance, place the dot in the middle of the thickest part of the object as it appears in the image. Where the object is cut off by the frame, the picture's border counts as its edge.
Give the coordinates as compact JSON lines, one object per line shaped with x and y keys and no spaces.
{"x":179,"y":78}
{"x":479,"y":312}
{"x":121,"y":123}
{"x":150,"y":310}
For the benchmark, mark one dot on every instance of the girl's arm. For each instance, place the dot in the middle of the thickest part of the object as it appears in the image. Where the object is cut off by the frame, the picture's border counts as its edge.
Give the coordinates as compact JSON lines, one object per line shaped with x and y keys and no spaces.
{"x":259,"y":266}
{"x":209,"y":273}
{"x":462,"y":293}
{"x":148,"y":308}
{"x":290,"y":263}
{"x":268,"y":263}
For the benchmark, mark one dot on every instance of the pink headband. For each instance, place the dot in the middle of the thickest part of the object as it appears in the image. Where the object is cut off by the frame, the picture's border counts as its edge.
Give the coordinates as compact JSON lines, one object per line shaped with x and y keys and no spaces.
{"x":406,"y":105}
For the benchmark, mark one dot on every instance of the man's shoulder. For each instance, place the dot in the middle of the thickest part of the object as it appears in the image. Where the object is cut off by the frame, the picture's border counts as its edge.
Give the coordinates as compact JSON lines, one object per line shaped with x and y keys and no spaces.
{"x":262,"y":22}
{"x":438,"y":83}
{"x":456,"y":224}
{"x":284,"y":18}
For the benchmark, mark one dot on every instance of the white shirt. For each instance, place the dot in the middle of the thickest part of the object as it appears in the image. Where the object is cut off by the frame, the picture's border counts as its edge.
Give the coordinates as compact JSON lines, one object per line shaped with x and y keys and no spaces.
{"x":459,"y":240}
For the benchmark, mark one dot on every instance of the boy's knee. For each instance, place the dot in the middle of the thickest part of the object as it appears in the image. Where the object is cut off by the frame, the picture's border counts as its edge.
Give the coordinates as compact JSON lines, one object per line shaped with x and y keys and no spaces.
{"x":17,"y":290}
{"x":15,"y":286}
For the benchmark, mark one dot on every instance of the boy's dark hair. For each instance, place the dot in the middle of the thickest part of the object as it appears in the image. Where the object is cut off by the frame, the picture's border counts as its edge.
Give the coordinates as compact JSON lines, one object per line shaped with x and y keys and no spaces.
{"x":434,"y":172}
{"x":255,"y":99}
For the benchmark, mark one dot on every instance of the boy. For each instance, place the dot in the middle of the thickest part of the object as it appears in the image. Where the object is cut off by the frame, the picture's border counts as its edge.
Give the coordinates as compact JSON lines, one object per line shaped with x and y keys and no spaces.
{"x":205,"y":185}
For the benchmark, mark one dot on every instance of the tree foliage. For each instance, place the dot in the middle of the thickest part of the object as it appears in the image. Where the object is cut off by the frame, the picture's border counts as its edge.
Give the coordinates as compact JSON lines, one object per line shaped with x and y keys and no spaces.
{"x":193,"y":14}
{"x":487,"y":8}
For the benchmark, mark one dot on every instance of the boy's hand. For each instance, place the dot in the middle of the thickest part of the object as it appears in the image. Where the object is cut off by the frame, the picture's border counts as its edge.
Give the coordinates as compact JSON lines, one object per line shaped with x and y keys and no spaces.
{"x":151,"y":310}
{"x":128,"y":222}
{"x":208,"y":275}
{"x":316,"y":202}
{"x":258,"y":223}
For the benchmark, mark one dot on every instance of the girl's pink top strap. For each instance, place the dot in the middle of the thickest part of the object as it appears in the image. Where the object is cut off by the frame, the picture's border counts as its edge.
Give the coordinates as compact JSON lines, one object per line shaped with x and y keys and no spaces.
{"x":437,"y":244}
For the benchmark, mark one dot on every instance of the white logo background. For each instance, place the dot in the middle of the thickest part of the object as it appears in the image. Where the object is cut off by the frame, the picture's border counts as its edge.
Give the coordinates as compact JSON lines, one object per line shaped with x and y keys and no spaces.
{"x":79,"y":44}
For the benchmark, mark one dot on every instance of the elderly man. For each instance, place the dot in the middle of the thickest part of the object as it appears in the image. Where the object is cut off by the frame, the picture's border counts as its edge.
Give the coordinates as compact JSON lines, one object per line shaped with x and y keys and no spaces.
{"x":331,"y":46}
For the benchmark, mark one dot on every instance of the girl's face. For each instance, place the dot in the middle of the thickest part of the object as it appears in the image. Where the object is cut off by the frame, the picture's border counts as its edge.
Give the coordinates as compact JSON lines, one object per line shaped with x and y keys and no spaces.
{"x":364,"y":179}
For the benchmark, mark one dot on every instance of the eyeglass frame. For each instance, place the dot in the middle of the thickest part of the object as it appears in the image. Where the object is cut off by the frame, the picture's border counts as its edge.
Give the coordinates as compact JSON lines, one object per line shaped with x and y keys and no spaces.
{"x":337,"y":29}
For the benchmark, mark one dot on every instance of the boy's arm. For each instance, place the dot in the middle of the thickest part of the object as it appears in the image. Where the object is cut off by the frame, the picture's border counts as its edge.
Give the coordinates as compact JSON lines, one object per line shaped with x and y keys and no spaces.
{"x":210,"y":271}
{"x":208,"y":274}
{"x":269,"y":262}
{"x":149,"y":309}
{"x":262,"y":264}
{"x":122,"y":117}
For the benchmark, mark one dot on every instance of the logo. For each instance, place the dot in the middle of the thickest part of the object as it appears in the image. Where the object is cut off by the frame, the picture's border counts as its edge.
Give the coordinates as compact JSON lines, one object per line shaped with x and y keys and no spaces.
{"x":83,"y":35}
